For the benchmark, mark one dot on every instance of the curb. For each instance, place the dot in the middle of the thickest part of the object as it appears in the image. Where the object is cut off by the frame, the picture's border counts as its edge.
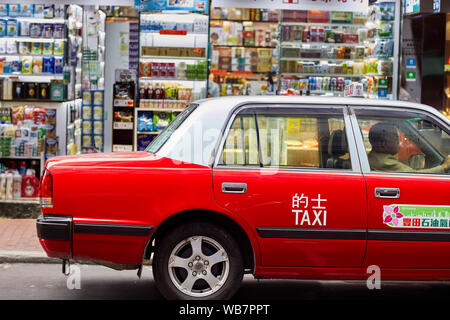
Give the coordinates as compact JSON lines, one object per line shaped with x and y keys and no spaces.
{"x":26,"y":257}
{"x":39,"y":257}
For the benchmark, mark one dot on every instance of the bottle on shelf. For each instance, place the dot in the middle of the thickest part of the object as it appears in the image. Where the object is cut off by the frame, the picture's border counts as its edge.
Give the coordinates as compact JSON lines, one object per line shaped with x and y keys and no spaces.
{"x":147,"y":91}
{"x":9,"y":186}
{"x":229,"y":89}
{"x":17,"y":185}
{"x":30,"y":185}
{"x":2,"y":185}
{"x":142,"y":90}
{"x":156,"y":92}
{"x":162,"y":92}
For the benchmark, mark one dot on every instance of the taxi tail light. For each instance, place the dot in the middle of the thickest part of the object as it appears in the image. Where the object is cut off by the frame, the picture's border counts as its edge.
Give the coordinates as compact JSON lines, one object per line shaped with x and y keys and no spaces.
{"x":46,"y":190}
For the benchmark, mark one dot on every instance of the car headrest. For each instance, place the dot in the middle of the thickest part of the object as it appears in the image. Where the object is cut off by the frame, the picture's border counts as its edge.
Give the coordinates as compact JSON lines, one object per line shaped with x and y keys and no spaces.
{"x":337,"y":146}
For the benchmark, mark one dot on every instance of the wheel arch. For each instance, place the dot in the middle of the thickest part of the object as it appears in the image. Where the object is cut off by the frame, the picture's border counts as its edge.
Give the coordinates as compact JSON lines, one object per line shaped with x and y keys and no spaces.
{"x":203,"y":215}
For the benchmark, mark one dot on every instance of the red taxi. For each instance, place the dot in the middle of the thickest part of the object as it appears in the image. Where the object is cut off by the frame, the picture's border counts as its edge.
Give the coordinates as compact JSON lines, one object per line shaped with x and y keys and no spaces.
{"x":277,"y":187}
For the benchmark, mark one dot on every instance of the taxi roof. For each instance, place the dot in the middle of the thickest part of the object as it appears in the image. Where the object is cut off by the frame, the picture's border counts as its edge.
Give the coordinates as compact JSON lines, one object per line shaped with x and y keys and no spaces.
{"x":230,"y":103}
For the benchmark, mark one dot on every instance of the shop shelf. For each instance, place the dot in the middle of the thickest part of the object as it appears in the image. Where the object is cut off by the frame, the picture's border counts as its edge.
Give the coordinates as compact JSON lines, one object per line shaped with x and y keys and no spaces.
{"x":237,"y":20}
{"x":298,"y":44}
{"x":21,"y":200}
{"x":27,"y":55}
{"x":170,"y":79}
{"x":52,"y":102}
{"x":148,"y":132}
{"x":319,"y":59}
{"x":160,"y":109}
{"x":38,"y":20}
{"x":34,"y":77}
{"x":163,"y":100}
{"x":284,"y":74}
{"x":170,"y":58}
{"x":19,"y":157}
{"x":322,"y":24}
{"x":29,"y":39}
{"x":244,"y":46}
{"x":175,"y":33}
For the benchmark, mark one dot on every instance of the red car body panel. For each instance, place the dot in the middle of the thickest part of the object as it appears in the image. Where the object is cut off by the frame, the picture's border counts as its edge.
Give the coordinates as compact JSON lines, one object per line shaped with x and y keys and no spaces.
{"x":268,"y":203}
{"x":414,"y":190}
{"x":153,"y":199}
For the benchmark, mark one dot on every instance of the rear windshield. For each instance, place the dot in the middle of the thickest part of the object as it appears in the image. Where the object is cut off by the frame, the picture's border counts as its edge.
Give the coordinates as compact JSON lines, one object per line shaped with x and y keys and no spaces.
{"x":162,"y":138}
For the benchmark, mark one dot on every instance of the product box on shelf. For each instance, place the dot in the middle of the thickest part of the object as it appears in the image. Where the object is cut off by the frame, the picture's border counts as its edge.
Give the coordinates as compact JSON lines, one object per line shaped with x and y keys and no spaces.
{"x":341,"y":17}
{"x":57,"y":90}
{"x":295,"y":15}
{"x":317,"y":16}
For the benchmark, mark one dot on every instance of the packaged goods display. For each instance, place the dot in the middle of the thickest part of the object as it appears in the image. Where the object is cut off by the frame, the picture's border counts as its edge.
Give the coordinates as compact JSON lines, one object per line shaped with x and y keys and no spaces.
{"x":244,"y":14}
{"x":92,"y":116}
{"x":32,"y":47}
{"x":28,"y":131}
{"x":17,"y":90}
{"x":164,"y":95}
{"x":254,"y":60}
{"x":245,"y":50}
{"x":173,"y":70}
{"x":341,"y":46}
{"x":93,"y":61}
{"x":123,"y":118}
{"x":194,"y":23}
{"x":18,"y":180}
{"x":249,"y":33}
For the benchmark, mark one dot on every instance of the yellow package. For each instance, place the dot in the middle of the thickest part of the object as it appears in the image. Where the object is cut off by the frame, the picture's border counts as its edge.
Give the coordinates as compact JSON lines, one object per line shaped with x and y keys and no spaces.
{"x":27,"y":65}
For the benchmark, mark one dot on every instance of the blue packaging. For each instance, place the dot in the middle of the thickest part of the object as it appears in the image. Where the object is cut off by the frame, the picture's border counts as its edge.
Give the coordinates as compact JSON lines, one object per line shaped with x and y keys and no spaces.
{"x":59,"y":65}
{"x":48,"y":65}
{"x":3,"y":10}
{"x":26,"y":10}
{"x":7,"y":67}
{"x":38,"y":10}
{"x":49,"y":10}
{"x":143,"y":140}
{"x":3,"y":24}
{"x":13,"y":10}
{"x":16,"y":66}
{"x":12,"y":28}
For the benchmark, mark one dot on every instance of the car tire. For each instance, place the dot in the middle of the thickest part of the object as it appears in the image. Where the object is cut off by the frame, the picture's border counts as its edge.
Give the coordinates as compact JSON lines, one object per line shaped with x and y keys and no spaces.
{"x":197,"y":261}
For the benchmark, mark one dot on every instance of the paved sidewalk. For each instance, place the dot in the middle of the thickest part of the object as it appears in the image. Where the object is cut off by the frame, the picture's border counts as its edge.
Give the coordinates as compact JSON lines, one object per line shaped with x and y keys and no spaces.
{"x":19,"y":242}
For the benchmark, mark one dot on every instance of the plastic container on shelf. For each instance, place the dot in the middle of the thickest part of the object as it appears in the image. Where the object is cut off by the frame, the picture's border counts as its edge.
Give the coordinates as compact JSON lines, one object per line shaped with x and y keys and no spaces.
{"x":17,"y":185}
{"x":30,"y":185}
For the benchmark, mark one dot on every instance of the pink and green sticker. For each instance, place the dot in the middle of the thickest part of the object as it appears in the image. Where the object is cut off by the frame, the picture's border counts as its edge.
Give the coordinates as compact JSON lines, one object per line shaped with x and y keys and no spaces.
{"x":416,"y":216}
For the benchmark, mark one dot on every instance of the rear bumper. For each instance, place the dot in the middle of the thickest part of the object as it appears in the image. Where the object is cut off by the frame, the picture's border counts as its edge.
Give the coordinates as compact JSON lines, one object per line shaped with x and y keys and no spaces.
{"x":55,"y":235}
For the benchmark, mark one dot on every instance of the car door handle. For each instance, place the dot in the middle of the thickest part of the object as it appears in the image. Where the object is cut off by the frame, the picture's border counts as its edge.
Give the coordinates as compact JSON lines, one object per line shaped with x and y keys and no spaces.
{"x":234,"y":187}
{"x":387,"y":193}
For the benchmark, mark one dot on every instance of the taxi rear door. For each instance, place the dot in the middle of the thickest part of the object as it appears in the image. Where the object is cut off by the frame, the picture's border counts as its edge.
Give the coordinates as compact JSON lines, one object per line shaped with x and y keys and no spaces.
{"x":408,"y":213}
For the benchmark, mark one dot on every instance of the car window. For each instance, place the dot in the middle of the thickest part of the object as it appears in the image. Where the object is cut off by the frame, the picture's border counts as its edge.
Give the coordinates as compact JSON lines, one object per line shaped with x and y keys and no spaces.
{"x":289,"y":139}
{"x":241,"y":146}
{"x":403,"y":142}
{"x":162,"y":138}
{"x":303,"y":140}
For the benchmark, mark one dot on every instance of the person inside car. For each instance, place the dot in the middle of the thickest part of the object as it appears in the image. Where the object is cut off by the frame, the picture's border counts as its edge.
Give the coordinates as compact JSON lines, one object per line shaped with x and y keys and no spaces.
{"x":385,"y":146}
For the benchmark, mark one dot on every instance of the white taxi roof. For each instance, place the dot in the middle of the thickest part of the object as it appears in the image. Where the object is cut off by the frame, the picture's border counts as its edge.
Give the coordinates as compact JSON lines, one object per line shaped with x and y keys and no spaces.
{"x":228,"y":103}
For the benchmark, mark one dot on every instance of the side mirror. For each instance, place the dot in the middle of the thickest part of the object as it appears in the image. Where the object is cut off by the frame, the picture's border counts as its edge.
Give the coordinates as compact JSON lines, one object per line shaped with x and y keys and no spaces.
{"x":417,"y":161}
